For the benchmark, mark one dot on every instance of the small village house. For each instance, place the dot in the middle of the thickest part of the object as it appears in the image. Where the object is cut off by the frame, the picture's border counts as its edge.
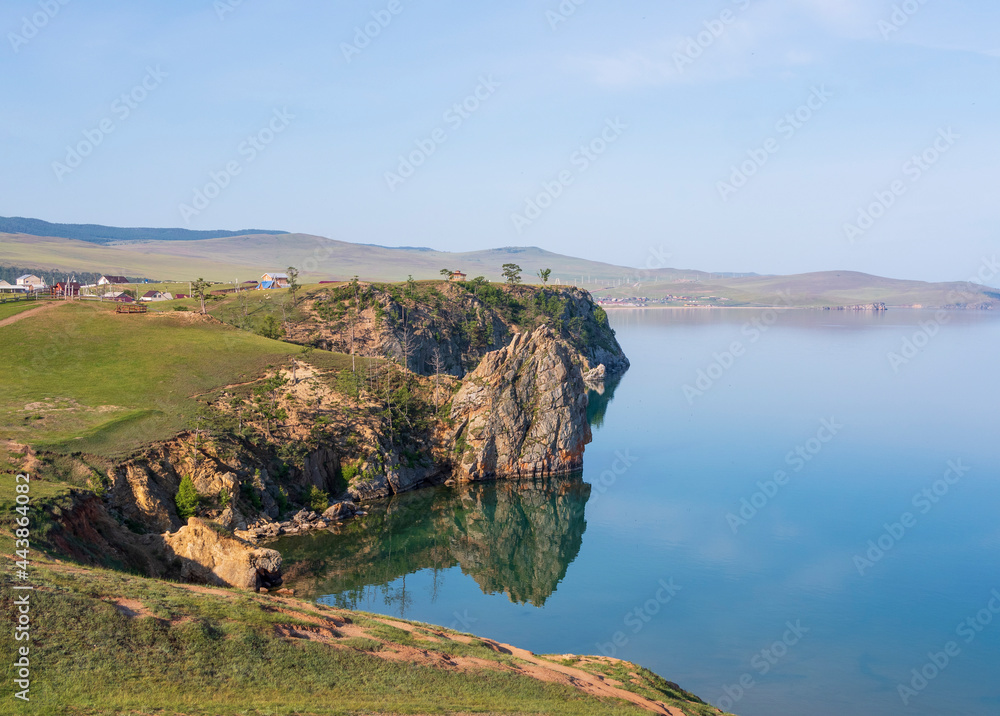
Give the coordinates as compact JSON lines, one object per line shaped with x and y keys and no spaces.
{"x":111,"y":280}
{"x":31,"y":282}
{"x":457,"y":276}
{"x":66,"y":288}
{"x":155,"y":296}
{"x":273,"y":280}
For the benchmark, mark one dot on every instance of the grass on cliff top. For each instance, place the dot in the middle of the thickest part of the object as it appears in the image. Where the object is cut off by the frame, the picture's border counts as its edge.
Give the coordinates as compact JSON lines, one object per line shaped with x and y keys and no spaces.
{"x":169,"y":649}
{"x":78,"y":377}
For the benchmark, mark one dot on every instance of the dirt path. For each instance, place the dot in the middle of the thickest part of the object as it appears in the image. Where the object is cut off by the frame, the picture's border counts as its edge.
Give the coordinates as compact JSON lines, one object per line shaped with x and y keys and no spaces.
{"x":24,"y":314}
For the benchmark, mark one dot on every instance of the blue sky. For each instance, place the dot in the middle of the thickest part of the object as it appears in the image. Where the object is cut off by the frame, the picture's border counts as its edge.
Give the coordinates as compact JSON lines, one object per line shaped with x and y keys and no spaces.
{"x":330,"y":125}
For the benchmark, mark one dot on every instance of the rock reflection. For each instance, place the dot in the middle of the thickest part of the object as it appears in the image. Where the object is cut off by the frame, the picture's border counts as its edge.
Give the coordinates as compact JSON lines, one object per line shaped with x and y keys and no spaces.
{"x":512,"y":537}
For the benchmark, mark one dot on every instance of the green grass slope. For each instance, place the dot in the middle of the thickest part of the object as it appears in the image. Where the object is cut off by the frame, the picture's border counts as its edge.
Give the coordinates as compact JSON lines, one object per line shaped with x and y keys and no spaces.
{"x":80,"y":377}
{"x":105,"y":642}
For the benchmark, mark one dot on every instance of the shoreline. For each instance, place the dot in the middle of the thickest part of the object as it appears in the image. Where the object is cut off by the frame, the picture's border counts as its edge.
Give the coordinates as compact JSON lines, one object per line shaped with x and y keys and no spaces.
{"x":836,"y":309}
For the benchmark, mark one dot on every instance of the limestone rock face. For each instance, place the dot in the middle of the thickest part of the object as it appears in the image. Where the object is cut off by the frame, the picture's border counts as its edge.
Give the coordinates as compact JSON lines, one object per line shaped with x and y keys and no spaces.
{"x":213,"y":558}
{"x":141,"y":496}
{"x":522,"y":412}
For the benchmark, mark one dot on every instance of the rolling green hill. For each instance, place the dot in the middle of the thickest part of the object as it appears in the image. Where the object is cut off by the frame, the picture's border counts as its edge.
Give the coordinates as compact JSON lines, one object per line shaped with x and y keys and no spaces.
{"x":246,"y":257}
{"x":106,"y":383}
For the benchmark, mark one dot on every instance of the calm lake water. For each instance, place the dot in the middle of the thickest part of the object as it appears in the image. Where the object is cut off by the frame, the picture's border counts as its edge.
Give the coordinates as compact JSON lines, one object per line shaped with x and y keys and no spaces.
{"x":777,"y":606}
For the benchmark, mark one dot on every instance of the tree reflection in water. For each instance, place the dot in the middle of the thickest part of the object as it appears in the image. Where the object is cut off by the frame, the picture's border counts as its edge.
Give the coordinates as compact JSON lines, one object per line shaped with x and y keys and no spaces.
{"x":511,"y":537}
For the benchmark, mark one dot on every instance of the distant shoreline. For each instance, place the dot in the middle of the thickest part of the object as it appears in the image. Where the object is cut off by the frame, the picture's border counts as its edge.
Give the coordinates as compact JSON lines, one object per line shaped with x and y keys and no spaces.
{"x":832,"y":309}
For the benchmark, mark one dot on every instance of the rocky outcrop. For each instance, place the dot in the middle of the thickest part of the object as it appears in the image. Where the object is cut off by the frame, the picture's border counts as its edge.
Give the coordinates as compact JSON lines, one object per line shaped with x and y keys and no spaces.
{"x":396,"y":477}
{"x":447,"y":328}
{"x":210,"y":557}
{"x":522,"y":412}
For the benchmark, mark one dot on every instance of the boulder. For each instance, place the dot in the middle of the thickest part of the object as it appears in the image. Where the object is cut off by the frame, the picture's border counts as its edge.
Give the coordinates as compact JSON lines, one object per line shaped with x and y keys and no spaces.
{"x":211,"y":557}
{"x":340,"y":511}
{"x":372,"y":489}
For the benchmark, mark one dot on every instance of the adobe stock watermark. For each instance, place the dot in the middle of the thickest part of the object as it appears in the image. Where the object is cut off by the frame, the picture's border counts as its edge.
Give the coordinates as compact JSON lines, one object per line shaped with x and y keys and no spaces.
{"x":923,"y":502}
{"x":620,"y":465}
{"x":693,"y":48}
{"x":796,"y":459}
{"x":912,"y":345}
{"x":723,"y":362}
{"x":913,"y":171}
{"x":900,"y":17}
{"x":761,"y":663}
{"x":224,"y":8}
{"x":121,"y":109}
{"x":566,"y":10}
{"x":656,"y":258}
{"x":989,"y":269}
{"x":454,"y":117}
{"x":249,"y":149}
{"x":786,"y":127}
{"x":463,"y":622}
{"x":33,"y":24}
{"x":581,"y":161}
{"x":968,"y":630}
{"x":636,"y":619}
{"x":365,"y":34}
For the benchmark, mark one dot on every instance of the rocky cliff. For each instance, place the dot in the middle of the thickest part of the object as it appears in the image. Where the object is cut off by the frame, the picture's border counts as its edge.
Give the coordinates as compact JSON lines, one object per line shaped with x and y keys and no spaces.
{"x":325,"y":427}
{"x":434,"y":327}
{"x":522,"y":412}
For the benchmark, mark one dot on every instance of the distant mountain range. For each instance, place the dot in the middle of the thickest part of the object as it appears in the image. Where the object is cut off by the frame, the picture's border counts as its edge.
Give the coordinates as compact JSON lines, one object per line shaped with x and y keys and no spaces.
{"x":181,"y":255}
{"x":97,"y":234}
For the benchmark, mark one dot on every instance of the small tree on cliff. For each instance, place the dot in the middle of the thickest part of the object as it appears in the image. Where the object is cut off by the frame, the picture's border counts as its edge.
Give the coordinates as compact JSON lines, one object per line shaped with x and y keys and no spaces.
{"x":512,"y":273}
{"x":544,"y":275}
{"x":293,"y":282}
{"x":187,"y":499}
{"x":200,"y":289}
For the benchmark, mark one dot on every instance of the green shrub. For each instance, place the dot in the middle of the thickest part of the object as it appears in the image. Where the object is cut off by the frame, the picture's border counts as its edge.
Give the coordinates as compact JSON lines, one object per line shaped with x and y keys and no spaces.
{"x":251,"y":495}
{"x":98,"y":483}
{"x":316,"y":499}
{"x":282,"y":500}
{"x":187,"y":499}
{"x":271,"y":328}
{"x":224,"y":498}
{"x":349,"y":471}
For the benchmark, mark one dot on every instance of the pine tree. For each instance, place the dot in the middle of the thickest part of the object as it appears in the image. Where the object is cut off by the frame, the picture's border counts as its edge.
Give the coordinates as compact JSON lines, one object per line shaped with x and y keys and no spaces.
{"x":187,"y":499}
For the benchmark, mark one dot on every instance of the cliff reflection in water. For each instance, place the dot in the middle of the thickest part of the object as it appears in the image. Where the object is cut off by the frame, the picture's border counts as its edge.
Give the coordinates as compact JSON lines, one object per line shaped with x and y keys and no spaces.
{"x":511,"y":537}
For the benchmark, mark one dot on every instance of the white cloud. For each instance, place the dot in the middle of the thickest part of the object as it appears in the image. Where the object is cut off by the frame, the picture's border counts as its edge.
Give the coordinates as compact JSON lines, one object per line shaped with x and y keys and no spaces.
{"x":768,"y":35}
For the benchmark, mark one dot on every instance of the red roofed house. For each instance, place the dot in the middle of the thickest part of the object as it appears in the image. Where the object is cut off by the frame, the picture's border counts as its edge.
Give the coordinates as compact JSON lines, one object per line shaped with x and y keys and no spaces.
{"x":63,"y":288}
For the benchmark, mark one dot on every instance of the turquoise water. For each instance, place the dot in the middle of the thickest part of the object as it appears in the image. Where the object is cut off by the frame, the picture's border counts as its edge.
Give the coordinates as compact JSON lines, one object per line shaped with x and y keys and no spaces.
{"x":782,"y":609}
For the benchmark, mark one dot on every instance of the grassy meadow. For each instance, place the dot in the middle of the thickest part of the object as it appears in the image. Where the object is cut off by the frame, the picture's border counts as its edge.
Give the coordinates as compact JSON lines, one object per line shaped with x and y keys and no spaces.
{"x":169,"y":648}
{"x":12,"y":308}
{"x":82,"y":378}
